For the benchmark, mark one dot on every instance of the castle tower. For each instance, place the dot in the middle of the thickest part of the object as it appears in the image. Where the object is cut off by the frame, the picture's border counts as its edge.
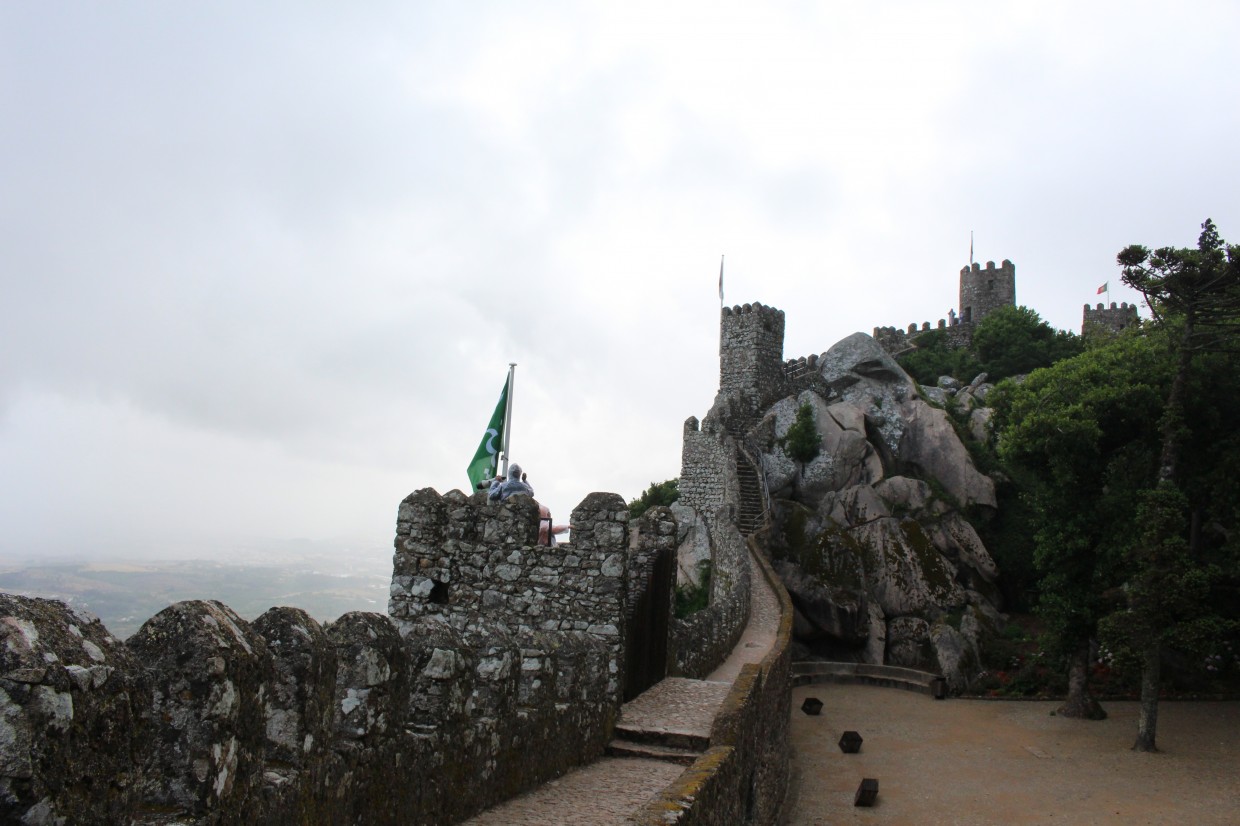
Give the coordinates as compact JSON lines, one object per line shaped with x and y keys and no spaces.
{"x":751,"y":353}
{"x":1111,"y":318}
{"x":984,"y":290}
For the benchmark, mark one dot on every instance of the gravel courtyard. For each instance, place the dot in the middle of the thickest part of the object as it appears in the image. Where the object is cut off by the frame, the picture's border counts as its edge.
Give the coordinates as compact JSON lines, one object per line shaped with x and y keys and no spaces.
{"x":990,"y":762}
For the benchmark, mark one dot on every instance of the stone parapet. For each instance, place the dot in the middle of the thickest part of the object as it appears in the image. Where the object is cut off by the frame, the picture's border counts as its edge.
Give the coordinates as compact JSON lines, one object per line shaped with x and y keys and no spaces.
{"x":476,"y":566}
{"x":707,"y":460}
{"x":501,"y":649}
{"x":1111,"y":319}
{"x":702,"y":640}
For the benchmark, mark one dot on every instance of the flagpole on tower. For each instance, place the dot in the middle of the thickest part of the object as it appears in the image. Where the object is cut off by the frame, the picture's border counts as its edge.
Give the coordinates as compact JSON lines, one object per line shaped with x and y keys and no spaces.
{"x":512,"y":371}
{"x":970,"y":248}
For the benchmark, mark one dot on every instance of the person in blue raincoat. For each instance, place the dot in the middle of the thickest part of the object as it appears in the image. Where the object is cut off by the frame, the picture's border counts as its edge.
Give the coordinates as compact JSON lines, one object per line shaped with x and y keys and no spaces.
{"x":501,"y":489}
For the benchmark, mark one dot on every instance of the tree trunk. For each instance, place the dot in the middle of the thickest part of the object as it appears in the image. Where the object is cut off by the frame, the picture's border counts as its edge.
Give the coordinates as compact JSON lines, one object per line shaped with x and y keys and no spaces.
{"x":1080,"y":704}
{"x":1173,"y":416}
{"x":1172,"y":433}
{"x":1147,"y":722}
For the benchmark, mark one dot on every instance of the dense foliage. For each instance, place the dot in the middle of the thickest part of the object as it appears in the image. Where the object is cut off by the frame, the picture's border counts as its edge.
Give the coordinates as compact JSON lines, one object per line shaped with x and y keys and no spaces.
{"x":1007,"y":342}
{"x":659,"y":493}
{"x":1126,"y":454}
{"x":1014,"y":340}
{"x":934,"y":356}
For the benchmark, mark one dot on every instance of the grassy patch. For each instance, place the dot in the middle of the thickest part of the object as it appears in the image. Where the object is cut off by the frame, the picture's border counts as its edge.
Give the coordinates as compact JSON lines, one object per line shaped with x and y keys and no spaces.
{"x":693,"y":598}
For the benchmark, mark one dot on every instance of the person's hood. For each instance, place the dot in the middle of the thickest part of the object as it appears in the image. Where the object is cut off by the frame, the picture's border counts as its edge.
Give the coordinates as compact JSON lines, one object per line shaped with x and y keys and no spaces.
{"x":514,"y":472}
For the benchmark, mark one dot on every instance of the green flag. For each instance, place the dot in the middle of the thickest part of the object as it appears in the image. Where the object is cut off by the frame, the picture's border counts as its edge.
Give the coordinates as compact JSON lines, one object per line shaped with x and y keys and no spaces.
{"x":486,"y":458}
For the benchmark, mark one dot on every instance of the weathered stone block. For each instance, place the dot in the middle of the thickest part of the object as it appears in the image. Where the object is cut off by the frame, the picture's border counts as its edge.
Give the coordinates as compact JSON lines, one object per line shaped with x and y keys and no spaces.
{"x":209,"y":674}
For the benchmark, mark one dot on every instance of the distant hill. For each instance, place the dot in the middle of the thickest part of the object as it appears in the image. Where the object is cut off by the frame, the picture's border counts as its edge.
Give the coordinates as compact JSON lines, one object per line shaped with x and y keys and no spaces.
{"x":126,"y":594}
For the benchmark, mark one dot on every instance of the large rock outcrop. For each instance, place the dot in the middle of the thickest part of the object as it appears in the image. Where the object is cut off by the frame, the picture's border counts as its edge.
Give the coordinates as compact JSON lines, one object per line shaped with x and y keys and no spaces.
{"x":874,"y":547}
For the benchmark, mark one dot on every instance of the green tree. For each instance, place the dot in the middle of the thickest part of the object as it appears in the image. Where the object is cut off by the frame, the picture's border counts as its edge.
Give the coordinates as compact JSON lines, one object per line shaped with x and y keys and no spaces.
{"x":1082,"y":434}
{"x":1194,"y":295}
{"x":934,"y":356}
{"x":1014,"y":340}
{"x":659,"y":493}
{"x":1007,"y":342}
{"x":802,"y":442}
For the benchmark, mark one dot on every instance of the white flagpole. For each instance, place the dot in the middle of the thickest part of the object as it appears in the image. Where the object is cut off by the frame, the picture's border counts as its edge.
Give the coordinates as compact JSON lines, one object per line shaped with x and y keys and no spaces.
{"x":512,"y":371}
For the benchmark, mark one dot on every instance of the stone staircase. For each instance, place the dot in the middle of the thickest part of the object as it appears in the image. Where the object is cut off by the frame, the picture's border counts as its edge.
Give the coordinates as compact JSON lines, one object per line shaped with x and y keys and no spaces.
{"x":671,"y":721}
{"x":753,"y":511}
{"x":653,"y":745}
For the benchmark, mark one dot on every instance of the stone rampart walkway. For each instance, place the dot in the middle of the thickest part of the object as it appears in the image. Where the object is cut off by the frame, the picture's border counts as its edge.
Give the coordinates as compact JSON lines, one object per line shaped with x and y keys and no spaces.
{"x":606,"y":791}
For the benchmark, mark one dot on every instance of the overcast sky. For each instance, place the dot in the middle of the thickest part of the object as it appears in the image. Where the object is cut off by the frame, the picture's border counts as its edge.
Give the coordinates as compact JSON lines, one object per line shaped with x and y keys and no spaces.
{"x":264,"y":265}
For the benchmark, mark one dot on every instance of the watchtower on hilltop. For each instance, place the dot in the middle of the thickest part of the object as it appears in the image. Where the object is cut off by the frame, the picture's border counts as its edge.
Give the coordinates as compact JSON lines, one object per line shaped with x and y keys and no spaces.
{"x":982,"y":291}
{"x":1113,"y":318}
{"x":985,"y":289}
{"x":751,"y":353}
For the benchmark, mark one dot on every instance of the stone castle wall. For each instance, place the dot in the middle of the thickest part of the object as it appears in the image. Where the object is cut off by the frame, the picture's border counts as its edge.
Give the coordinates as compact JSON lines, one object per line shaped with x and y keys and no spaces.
{"x":477,"y":567}
{"x":1113,"y":318}
{"x":497,"y":650}
{"x":982,"y":291}
{"x":896,"y":340}
{"x":707,"y":463}
{"x":751,"y":347}
{"x":744,"y":776}
{"x":702,"y":640}
{"x":985,"y":289}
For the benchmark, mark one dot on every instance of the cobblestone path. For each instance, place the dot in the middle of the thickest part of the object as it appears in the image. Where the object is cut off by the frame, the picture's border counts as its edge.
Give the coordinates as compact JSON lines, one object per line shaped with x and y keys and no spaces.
{"x":606,"y":791}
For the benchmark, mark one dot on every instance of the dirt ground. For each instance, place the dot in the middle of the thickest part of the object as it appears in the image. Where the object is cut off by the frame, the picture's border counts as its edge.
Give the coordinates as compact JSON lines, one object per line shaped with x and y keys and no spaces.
{"x":989,"y":762}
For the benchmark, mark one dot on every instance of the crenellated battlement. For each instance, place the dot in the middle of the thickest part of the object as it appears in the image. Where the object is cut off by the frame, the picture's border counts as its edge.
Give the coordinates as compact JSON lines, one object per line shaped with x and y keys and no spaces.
{"x":496,"y":649}
{"x":473,"y":564}
{"x":797,"y":367}
{"x":756,"y":307}
{"x":990,"y":267}
{"x":751,"y":353}
{"x":985,"y":289}
{"x":1113,"y":318}
{"x":897,"y":340}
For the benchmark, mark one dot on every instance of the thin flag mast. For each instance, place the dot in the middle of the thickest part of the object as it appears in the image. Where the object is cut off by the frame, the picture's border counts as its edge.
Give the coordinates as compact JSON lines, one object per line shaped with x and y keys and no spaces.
{"x":512,"y":371}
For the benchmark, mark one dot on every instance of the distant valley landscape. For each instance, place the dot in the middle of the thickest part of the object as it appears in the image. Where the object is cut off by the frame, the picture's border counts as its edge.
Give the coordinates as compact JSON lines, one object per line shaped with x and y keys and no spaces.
{"x":125,"y":594}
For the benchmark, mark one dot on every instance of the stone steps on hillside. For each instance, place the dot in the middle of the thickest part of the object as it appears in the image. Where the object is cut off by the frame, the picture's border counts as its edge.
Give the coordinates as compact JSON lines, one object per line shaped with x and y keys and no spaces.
{"x":670,"y":721}
{"x":672,"y":738}
{"x":752,"y":512}
{"x":620,"y":747}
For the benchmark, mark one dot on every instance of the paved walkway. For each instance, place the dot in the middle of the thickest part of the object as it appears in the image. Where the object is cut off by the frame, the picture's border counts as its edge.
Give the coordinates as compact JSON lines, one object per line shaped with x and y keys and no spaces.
{"x":986,"y":762}
{"x":759,"y":635}
{"x":606,"y":791}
